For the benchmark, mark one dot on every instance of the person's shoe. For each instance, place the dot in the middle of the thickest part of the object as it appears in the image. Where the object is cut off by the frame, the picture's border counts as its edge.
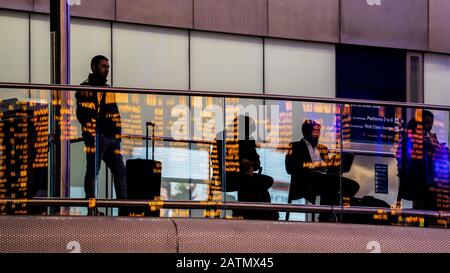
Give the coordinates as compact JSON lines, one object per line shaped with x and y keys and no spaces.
{"x":95,"y":212}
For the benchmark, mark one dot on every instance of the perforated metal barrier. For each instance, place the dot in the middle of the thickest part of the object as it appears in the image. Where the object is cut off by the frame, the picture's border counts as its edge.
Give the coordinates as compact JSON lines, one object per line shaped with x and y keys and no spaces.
{"x":86,"y":234}
{"x":162,"y":235}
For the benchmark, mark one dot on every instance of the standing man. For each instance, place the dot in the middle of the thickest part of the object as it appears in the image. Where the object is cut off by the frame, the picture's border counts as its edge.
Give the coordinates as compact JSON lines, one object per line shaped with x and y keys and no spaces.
{"x":423,"y":168}
{"x":101,"y":129}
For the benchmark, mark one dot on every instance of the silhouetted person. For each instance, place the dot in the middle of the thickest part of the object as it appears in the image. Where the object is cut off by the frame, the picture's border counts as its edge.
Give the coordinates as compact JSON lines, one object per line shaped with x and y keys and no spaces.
{"x":244,"y":170}
{"x":423,"y":166}
{"x":101,"y":129}
{"x":411,"y":164}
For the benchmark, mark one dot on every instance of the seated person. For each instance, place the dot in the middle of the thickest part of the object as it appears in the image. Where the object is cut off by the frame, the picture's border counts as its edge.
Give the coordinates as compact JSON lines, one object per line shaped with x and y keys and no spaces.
{"x":307,"y":162}
{"x":243,"y":172}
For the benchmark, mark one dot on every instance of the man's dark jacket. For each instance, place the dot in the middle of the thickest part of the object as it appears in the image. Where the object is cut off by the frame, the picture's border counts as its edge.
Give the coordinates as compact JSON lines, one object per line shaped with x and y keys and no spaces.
{"x":106,"y":113}
{"x":295,"y":160}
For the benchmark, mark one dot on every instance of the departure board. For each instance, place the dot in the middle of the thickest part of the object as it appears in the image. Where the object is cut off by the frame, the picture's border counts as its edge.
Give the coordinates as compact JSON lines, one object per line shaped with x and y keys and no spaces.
{"x":23,"y":152}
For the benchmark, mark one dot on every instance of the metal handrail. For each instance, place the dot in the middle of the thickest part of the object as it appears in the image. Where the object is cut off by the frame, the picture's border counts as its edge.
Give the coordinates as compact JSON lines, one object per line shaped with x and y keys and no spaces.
{"x":173,"y":92}
{"x":211,"y":205}
{"x":157,"y":138}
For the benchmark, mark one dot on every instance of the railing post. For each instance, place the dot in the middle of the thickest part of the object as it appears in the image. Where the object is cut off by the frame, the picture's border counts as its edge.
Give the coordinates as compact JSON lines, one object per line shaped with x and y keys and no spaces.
{"x":59,"y":121}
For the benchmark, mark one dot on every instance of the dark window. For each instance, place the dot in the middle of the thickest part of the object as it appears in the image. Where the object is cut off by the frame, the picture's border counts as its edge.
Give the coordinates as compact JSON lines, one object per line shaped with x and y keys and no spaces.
{"x":370,"y":73}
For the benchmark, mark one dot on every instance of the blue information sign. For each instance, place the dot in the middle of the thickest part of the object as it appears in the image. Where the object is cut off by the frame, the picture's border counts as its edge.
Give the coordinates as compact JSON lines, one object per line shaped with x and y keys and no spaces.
{"x":381,"y":178}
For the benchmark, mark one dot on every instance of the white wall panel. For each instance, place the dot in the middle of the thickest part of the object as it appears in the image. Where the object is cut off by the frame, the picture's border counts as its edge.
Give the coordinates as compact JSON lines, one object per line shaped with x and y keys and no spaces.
{"x":223,"y":62}
{"x":40,"y":49}
{"x":14,"y":53}
{"x":88,"y":39}
{"x":300,"y":68}
{"x":150,"y":57}
{"x":437,"y":79}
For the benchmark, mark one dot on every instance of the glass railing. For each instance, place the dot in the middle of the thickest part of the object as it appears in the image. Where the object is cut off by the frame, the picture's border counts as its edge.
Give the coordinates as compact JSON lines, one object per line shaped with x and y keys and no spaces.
{"x":223,"y":155}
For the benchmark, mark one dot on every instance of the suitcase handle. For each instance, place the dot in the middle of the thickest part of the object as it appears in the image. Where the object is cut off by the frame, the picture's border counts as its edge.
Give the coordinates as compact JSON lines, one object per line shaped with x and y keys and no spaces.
{"x":147,"y":124}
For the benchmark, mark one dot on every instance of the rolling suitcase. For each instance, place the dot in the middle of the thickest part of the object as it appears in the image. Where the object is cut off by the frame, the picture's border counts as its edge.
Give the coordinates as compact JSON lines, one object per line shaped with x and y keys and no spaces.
{"x":144,"y":178}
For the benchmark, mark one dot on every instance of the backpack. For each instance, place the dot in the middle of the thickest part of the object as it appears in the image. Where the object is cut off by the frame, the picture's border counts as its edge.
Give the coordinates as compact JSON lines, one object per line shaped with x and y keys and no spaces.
{"x":288,"y":162}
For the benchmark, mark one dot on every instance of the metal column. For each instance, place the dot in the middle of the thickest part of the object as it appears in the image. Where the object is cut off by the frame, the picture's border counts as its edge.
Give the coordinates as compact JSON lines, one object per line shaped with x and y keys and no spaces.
{"x":59,"y":119}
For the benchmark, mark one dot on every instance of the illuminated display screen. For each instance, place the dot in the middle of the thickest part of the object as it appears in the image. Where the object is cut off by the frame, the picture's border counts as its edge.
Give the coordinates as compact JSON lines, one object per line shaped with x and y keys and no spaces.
{"x":373,"y":124}
{"x":182,"y":163}
{"x":23,"y":151}
{"x":272,"y":162}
